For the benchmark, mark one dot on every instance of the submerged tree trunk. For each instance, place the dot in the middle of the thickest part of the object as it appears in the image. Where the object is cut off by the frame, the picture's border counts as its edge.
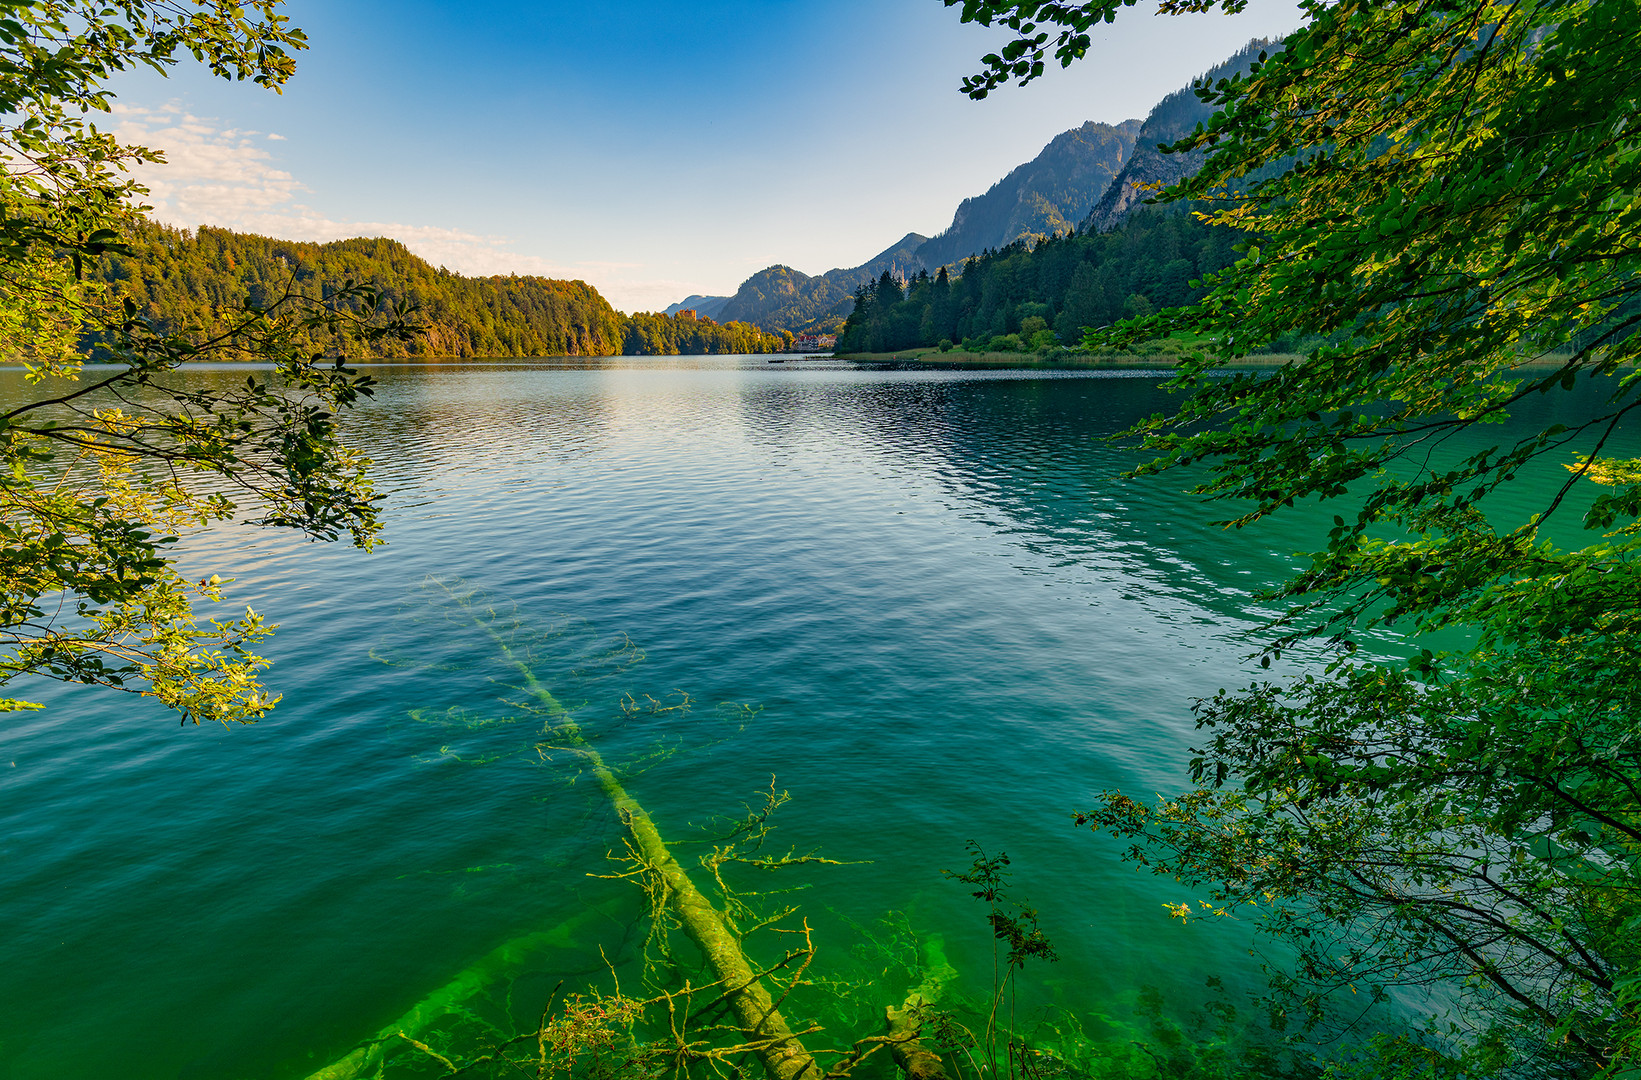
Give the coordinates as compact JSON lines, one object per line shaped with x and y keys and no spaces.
{"x":776,"y":1047}
{"x":766,"y":1032}
{"x":366,"y":1059}
{"x":915,"y":1059}
{"x":905,"y":1024}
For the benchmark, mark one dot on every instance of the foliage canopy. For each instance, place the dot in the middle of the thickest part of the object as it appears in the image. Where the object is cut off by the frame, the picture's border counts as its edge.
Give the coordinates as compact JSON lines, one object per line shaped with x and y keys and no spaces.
{"x":1447,"y":193}
{"x":104,"y":468}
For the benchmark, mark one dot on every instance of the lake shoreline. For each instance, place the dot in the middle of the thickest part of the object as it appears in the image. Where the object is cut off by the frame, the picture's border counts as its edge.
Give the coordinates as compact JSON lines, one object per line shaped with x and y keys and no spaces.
{"x":933,"y":357}
{"x":1162,"y":361}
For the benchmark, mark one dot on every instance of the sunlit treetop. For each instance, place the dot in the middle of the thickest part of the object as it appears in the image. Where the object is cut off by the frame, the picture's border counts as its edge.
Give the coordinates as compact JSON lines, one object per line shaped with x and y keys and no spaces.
{"x":99,"y":476}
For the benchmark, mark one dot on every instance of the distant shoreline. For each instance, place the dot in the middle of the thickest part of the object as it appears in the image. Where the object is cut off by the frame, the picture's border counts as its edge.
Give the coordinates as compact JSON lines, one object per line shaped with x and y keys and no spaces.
{"x":933,"y":357}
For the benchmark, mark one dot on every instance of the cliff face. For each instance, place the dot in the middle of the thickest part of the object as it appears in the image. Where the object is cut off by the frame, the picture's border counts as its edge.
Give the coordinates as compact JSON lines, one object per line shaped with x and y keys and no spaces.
{"x":1047,"y":195}
{"x":1147,"y":169}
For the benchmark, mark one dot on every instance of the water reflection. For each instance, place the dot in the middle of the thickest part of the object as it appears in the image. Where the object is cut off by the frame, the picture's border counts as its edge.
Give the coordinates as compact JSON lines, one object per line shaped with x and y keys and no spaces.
{"x":956,"y":619}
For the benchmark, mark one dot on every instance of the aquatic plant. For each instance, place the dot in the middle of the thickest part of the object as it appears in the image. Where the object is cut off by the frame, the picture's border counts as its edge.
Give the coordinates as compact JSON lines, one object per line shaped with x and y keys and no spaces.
{"x":716,"y":1019}
{"x":724,"y":971}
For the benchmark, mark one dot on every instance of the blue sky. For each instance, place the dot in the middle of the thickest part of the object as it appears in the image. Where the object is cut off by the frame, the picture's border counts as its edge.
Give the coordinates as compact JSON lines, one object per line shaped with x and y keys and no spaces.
{"x":654,"y":149}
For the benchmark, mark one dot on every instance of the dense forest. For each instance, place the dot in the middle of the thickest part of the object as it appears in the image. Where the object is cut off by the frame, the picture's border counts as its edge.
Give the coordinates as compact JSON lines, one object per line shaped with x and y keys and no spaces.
{"x":188,"y":281}
{"x":685,"y":334}
{"x":1029,"y":296}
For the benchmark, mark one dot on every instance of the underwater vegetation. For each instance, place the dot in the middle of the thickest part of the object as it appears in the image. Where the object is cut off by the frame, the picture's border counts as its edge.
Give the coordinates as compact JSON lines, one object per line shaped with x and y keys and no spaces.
{"x":724,"y":983}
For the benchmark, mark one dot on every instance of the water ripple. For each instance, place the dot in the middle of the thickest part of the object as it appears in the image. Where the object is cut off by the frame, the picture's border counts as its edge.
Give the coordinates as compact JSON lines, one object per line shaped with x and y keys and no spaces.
{"x":950,"y":615}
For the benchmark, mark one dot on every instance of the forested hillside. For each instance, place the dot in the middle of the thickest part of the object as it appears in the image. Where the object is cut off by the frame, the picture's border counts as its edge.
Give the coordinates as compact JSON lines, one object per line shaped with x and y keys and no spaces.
{"x":1046,"y":196}
{"x":191,"y":279}
{"x":781,"y":297}
{"x":685,"y":334}
{"x":1035,"y":296}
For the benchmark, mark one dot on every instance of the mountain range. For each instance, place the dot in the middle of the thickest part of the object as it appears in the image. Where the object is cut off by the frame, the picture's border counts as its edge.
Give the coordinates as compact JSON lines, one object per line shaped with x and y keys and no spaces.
{"x":1048,"y":195}
{"x":1094,"y":175}
{"x":1089,"y":178}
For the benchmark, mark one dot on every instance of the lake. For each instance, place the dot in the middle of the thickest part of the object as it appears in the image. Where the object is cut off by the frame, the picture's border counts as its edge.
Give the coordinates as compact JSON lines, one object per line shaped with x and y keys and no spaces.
{"x":924,"y":603}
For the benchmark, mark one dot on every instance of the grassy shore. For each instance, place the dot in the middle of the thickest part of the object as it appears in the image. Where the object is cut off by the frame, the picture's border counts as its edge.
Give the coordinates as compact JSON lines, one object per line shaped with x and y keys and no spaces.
{"x":1158,"y":361}
{"x":956,"y":358}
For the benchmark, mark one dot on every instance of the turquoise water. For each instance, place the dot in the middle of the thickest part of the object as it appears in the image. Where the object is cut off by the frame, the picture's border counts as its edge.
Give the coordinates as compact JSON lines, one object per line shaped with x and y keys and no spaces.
{"x":923,"y":602}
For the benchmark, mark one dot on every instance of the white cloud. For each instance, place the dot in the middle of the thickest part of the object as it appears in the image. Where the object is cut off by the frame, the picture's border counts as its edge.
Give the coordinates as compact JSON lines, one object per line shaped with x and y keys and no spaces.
{"x":226,"y":177}
{"x":211,"y":175}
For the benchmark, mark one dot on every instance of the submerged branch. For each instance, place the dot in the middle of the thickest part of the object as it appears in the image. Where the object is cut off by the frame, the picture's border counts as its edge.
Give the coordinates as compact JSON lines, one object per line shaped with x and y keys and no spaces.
{"x":776,"y":1045}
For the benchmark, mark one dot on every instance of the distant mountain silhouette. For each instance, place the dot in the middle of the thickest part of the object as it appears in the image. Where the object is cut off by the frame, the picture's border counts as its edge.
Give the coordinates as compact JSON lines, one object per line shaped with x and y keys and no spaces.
{"x":705,"y":307}
{"x":1046,"y":196}
{"x":781,"y":298}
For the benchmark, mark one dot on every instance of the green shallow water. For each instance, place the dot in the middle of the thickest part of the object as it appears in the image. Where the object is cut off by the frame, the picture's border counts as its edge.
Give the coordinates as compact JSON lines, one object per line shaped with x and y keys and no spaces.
{"x":922,"y":601}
